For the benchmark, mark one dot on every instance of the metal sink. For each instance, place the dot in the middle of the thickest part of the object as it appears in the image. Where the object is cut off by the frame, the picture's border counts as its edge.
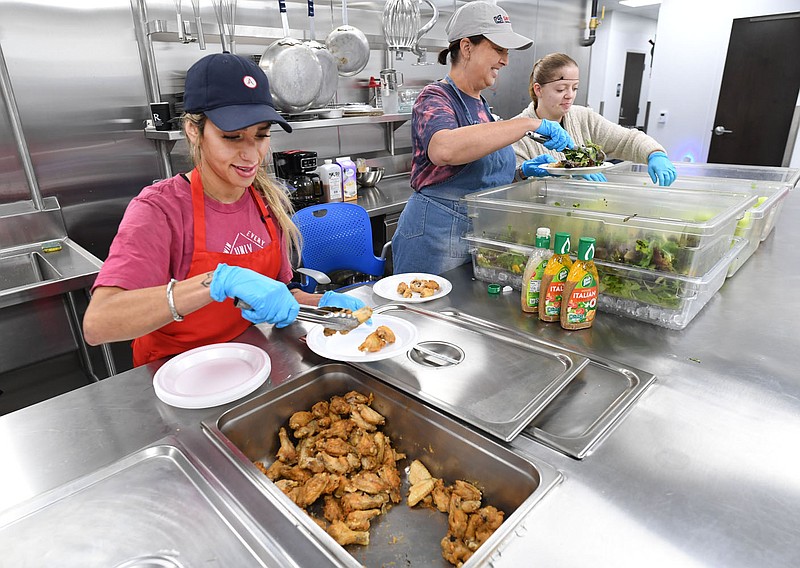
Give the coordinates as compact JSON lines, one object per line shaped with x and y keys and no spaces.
{"x":37,"y":258}
{"x":29,"y":273}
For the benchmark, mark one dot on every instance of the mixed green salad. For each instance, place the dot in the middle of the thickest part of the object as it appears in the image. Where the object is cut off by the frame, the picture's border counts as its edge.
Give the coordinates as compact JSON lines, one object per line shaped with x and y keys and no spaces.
{"x":513,"y":262}
{"x":583,"y":156}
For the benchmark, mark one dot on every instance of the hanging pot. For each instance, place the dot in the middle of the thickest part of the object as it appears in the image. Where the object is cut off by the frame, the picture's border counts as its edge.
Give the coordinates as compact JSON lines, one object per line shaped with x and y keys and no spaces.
{"x":293,"y":70}
{"x":330,"y":70}
{"x":349,"y":46}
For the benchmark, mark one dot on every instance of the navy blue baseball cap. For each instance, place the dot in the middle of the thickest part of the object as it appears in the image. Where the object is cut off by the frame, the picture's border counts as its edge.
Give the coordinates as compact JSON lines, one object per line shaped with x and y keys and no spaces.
{"x":232,"y":91}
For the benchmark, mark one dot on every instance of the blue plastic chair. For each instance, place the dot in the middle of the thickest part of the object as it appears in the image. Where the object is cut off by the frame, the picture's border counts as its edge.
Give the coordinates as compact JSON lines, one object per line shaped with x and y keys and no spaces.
{"x":336,"y":236}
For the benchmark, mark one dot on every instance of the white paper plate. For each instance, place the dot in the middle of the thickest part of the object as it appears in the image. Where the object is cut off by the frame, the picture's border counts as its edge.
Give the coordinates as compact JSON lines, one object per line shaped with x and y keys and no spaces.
{"x":212,"y":375}
{"x":345,"y":347}
{"x":553,"y":170}
{"x":387,"y":287}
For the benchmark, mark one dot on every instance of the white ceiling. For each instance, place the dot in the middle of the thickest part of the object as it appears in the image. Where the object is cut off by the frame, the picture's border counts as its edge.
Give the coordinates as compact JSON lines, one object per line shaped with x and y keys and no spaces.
{"x":650,"y":12}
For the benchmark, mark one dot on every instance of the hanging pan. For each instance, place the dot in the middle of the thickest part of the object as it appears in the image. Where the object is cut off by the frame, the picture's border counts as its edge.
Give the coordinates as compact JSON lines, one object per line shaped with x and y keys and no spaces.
{"x":330,"y":70}
{"x":293,"y":70}
{"x":349,"y":46}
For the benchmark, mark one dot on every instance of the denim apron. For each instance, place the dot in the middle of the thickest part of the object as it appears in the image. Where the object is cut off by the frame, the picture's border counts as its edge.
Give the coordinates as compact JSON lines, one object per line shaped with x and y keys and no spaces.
{"x":428,"y":237}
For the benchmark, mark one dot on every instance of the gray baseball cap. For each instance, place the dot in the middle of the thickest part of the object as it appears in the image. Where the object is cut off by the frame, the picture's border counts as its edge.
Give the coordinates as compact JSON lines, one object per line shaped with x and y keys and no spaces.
{"x":488,"y":20}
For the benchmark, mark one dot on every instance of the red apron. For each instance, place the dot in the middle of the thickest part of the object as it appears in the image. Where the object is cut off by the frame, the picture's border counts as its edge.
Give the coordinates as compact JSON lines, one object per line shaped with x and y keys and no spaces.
{"x":219,"y":321}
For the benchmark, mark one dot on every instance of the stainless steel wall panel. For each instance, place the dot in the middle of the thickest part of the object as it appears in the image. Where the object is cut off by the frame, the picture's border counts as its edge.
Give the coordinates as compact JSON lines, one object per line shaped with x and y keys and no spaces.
{"x":78,"y":83}
{"x":554,"y":26}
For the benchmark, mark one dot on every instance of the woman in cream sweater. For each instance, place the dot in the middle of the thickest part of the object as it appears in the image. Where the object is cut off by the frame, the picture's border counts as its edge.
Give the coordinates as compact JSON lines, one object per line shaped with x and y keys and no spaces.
{"x":553,"y":86}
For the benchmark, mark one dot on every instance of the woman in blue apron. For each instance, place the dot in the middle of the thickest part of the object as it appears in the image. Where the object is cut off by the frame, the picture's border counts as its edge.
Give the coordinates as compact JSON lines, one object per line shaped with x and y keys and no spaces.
{"x":458,"y":146}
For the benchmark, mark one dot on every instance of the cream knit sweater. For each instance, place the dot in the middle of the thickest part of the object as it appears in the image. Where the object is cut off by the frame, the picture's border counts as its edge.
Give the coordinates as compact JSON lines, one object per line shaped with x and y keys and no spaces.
{"x":585,"y":125}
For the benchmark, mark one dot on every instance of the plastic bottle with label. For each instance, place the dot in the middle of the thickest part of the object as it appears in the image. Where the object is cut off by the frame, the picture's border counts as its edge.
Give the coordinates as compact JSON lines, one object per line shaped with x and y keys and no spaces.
{"x":579,"y":303}
{"x":534,"y":269}
{"x":330,"y":175}
{"x":553,"y":278}
{"x":349,"y":183}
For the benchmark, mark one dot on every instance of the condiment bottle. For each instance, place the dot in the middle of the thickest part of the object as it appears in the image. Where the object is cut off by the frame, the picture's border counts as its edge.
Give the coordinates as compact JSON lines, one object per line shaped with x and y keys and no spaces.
{"x":553,"y":278}
{"x":330,"y":175}
{"x":579,"y":304}
{"x":349,"y":183}
{"x":534,"y":269}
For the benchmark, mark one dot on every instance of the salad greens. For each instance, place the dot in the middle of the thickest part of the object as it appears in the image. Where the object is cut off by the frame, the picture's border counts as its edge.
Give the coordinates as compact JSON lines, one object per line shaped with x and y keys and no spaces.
{"x":514,"y":262}
{"x":583,"y":156}
{"x":664,"y":292}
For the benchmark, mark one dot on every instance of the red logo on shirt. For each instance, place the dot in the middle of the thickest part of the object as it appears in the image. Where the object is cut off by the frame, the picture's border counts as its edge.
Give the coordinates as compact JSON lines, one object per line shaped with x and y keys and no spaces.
{"x":249,"y":82}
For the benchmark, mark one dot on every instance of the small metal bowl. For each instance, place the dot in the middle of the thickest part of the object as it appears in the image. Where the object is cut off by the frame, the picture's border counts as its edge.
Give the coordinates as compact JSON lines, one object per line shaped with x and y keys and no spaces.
{"x":370,"y":177}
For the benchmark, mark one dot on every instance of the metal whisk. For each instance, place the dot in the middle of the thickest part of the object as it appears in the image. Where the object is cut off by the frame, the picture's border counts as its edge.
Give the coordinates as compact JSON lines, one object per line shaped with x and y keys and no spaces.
{"x":225,"y":11}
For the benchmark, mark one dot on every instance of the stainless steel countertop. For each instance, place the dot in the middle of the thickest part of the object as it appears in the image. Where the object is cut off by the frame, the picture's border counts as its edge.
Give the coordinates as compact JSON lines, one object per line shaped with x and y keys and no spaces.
{"x":389,"y":196}
{"x":701,"y":472}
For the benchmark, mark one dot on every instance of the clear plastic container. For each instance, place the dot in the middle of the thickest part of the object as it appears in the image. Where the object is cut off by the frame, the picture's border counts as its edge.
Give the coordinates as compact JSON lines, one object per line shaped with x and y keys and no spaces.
{"x":691,"y":231}
{"x":758,"y":221}
{"x":670,"y":301}
{"x":788,"y":177}
{"x":495,"y":261}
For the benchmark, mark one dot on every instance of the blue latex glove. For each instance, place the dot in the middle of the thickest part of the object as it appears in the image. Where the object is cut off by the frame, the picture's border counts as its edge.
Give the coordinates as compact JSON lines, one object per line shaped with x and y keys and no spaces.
{"x":594,"y":177}
{"x":337,"y":300}
{"x":661,"y":169}
{"x":530,"y":168}
{"x":270,"y":301}
{"x":559,"y":139}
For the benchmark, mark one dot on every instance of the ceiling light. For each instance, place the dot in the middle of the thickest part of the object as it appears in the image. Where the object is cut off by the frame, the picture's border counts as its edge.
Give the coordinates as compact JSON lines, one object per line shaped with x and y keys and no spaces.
{"x":639,"y":3}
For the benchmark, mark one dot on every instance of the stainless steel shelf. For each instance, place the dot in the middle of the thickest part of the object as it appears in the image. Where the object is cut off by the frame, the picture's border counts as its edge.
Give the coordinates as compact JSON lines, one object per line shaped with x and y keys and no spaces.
{"x":170,"y":135}
{"x":167,"y":31}
{"x":395,"y":119}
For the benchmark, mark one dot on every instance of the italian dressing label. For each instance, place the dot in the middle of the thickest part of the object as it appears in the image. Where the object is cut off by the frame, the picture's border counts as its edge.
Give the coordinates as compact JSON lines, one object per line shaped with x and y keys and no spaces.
{"x":582,"y":302}
{"x":552,"y":298}
{"x":535,"y":285}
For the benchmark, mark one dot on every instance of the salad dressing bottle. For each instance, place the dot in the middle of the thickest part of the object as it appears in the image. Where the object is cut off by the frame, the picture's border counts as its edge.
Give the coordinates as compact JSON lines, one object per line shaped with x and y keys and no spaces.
{"x":553,"y":278}
{"x":534,"y":269}
{"x":579,"y":304}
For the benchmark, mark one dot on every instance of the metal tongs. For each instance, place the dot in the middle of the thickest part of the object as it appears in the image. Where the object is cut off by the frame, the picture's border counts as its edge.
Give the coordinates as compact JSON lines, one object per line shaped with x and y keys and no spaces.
{"x":541,"y":139}
{"x":337,"y":319}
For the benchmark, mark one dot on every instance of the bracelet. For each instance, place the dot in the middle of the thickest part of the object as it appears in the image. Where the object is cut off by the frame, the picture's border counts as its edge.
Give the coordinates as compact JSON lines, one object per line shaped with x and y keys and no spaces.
{"x":520,"y":175}
{"x":171,"y":301}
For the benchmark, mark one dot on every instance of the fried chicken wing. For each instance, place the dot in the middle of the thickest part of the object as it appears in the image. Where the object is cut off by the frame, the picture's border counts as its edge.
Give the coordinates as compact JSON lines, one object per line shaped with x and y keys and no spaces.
{"x":334,"y":446}
{"x":370,"y":415}
{"x":344,"y":535}
{"x":338,"y":465}
{"x":419,"y":491}
{"x":287,"y":452}
{"x":300,"y":419}
{"x":359,"y":520}
{"x":360,"y":501}
{"x":417,"y":472}
{"x":332,"y":509}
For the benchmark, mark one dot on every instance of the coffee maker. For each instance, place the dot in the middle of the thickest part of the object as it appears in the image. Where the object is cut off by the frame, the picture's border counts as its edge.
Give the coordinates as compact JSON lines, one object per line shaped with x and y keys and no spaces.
{"x":296,"y":168}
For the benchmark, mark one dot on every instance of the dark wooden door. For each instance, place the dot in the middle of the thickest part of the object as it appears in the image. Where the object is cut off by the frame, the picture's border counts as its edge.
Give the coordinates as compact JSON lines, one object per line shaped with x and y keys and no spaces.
{"x":759,"y":90}
{"x":631,"y":89}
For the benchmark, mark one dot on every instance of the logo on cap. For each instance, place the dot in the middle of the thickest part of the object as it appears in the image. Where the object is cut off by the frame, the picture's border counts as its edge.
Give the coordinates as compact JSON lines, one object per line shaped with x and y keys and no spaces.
{"x":501,"y":19}
{"x":249,"y":82}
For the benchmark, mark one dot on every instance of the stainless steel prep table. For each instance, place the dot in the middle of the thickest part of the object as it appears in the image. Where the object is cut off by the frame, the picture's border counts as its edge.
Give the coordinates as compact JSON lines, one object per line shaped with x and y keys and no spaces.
{"x":701,"y":472}
{"x":386,"y":198}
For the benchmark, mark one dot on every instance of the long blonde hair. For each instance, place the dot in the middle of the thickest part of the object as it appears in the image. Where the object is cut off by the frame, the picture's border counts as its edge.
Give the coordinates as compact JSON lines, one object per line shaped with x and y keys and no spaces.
{"x":273,"y":193}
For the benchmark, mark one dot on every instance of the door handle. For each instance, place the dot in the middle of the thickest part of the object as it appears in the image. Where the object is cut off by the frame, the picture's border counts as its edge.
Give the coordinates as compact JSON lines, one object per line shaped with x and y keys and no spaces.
{"x":720,"y":130}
